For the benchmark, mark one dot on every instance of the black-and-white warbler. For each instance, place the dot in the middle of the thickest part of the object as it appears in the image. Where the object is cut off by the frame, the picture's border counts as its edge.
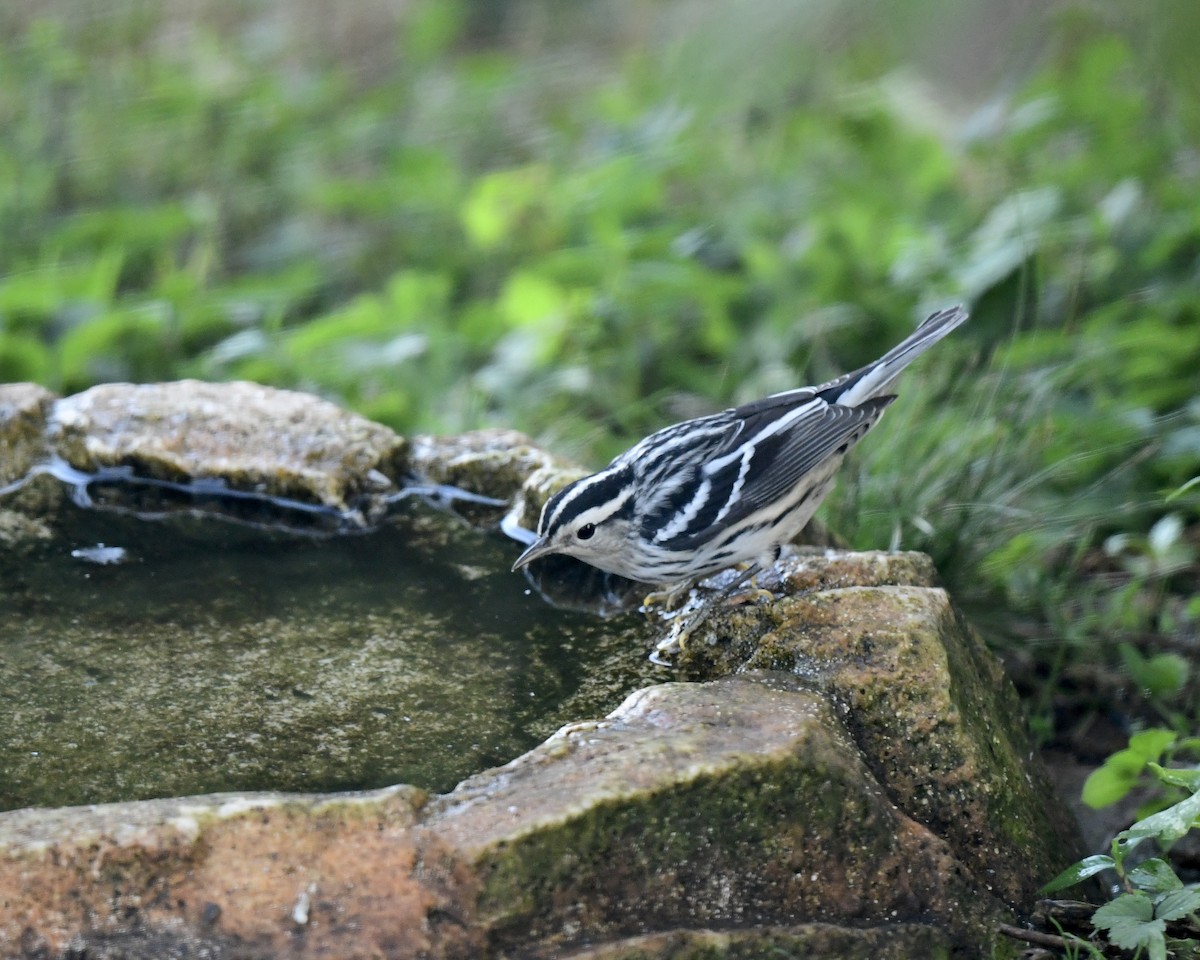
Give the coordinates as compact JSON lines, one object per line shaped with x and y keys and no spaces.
{"x":709,"y":493}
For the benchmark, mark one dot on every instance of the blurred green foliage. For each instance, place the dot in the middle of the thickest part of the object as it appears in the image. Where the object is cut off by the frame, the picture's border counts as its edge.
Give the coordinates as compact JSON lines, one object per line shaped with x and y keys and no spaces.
{"x":445,"y":223}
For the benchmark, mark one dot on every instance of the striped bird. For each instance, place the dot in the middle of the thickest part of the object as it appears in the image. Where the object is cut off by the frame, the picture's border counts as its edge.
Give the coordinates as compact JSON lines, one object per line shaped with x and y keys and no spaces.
{"x":706,"y":494}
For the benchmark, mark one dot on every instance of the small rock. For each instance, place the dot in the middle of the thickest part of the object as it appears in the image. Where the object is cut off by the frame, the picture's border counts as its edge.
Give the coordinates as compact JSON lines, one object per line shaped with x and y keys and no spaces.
{"x":493,"y":463}
{"x":927,"y":704}
{"x":24,"y":409}
{"x":241,"y":436}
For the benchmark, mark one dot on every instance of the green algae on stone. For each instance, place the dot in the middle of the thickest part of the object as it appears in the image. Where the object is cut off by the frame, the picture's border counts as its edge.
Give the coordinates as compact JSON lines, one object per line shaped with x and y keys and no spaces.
{"x":827,"y":941}
{"x":928,"y":706}
{"x":285,"y":662}
{"x":736,"y":803}
{"x":739,"y":805}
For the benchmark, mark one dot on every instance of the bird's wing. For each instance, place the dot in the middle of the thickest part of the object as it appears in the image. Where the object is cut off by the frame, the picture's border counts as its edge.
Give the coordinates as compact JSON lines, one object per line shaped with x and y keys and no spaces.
{"x":668,"y":463}
{"x":777,"y":445}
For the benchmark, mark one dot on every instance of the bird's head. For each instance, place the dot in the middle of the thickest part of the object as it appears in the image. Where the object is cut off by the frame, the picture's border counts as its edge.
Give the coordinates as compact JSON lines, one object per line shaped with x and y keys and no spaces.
{"x":590,"y":520}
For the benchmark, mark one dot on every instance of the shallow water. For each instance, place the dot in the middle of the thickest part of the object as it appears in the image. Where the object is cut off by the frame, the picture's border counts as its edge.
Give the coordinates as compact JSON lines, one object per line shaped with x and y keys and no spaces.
{"x":220,"y":657}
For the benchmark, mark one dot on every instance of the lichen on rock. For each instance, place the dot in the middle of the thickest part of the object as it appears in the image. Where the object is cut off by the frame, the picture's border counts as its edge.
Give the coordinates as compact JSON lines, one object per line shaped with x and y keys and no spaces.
{"x":927,"y":704}
{"x":254,"y":439}
{"x":732,"y":816}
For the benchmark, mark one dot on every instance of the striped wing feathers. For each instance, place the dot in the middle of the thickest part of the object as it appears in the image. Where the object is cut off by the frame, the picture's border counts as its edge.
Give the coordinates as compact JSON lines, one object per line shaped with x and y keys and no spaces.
{"x":769,"y":447}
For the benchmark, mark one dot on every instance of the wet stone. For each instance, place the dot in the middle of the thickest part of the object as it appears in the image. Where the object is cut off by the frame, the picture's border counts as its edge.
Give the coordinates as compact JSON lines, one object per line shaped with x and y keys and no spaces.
{"x":839,"y":766}
{"x":927,"y":704}
{"x":24,"y":408}
{"x":25,"y":508}
{"x":258,"y":660}
{"x":723,"y":817}
{"x":184,"y":655}
{"x":494,"y":463}
{"x":242,"y":437}
{"x":736,"y":803}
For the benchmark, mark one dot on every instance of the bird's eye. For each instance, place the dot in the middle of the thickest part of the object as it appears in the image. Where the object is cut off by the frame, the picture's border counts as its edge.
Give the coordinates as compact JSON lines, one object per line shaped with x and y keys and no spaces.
{"x":585,"y":532}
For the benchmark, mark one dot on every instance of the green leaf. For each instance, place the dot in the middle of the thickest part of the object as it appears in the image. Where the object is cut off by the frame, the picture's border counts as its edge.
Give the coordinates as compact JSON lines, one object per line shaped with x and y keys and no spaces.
{"x":1087,"y":867}
{"x":1169,"y":824}
{"x":432,"y":27}
{"x":1162,"y":675}
{"x":1186,"y":778}
{"x":1180,"y":491}
{"x":1151,"y":743}
{"x":530,"y":300}
{"x":1154,"y":875}
{"x":1129,"y":922}
{"x":131,"y":343}
{"x":498,"y":201}
{"x":1177,"y":904}
{"x":1109,"y":782}
{"x":23,"y":358}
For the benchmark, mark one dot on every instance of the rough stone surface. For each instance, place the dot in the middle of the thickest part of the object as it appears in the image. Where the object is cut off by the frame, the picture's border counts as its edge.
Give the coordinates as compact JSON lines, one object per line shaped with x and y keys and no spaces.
{"x":218,"y":876}
{"x":19,"y":531}
{"x":928,"y":706}
{"x":738,"y":806}
{"x":23,"y":411}
{"x":205,"y":656}
{"x":24,"y":508}
{"x":491,"y":462}
{"x":862,"y":785}
{"x":731,"y":804}
{"x":218,"y":658}
{"x":819,"y":941}
{"x":278,"y":443}
{"x":804,"y":570}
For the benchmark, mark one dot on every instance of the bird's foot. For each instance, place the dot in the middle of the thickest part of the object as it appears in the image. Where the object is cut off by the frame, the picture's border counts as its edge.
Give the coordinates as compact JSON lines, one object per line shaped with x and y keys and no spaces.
{"x":671,"y":646}
{"x":668,"y":599}
{"x":692,"y":615}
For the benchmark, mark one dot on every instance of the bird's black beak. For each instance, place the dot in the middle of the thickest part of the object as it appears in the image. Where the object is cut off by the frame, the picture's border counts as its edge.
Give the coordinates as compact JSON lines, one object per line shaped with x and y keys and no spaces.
{"x":539,"y":548}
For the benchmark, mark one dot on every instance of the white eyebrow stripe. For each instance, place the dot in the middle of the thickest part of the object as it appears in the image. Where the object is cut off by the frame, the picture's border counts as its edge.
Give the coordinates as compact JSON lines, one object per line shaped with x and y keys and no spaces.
{"x":580,"y":488}
{"x":599,"y":514}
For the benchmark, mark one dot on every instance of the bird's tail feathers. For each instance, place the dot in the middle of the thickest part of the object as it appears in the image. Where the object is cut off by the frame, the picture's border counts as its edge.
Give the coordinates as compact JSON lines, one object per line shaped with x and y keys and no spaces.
{"x":875,"y":378}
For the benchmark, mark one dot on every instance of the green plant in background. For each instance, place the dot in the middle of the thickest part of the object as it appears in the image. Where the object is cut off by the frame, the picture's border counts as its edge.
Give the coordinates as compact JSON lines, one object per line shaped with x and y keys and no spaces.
{"x":1145,"y":762}
{"x":1155,"y":911}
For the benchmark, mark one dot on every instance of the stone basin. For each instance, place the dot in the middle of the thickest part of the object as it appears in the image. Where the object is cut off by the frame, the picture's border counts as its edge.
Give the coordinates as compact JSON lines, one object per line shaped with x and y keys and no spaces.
{"x":839,"y":771}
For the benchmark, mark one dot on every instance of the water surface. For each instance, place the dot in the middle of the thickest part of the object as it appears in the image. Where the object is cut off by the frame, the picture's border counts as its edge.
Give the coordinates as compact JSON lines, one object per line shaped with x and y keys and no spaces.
{"x":221,"y":657}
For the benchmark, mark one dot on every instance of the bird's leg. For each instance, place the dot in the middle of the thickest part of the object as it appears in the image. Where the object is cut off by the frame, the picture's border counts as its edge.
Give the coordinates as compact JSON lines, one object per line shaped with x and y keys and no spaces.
{"x":684,"y":626}
{"x":756,"y":592}
{"x":669,"y":597}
